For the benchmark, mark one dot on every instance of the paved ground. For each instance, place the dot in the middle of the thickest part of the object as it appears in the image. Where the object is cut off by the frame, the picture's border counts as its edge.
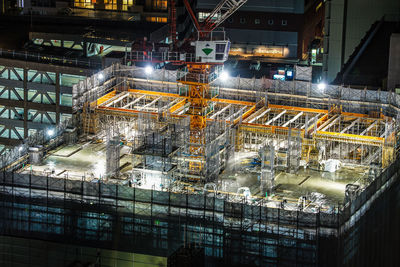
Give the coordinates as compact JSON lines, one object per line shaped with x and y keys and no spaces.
{"x":88,"y":160}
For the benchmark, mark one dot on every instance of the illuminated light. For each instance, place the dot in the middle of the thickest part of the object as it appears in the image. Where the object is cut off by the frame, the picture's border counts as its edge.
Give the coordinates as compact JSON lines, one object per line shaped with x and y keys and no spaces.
{"x":279,"y":77}
{"x":20,"y":148}
{"x":50,"y":132}
{"x":99,"y":169}
{"x":101,"y":76}
{"x":148,"y":70}
{"x":224,"y":75}
{"x":314,"y":51}
{"x":321,"y":86}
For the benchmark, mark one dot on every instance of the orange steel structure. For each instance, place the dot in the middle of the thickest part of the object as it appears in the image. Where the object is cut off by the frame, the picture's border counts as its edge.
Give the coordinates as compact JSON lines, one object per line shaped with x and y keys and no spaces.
{"x":259,"y":119}
{"x":198,"y":96}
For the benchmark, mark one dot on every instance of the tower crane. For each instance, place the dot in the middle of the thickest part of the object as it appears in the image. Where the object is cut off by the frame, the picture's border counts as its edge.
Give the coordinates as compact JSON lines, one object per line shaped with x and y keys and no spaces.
{"x":204,"y":56}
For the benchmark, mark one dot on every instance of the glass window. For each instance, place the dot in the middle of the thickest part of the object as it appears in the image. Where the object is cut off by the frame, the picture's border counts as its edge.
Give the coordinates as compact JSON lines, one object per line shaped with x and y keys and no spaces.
{"x":242,"y":20}
{"x":270,"y":21}
{"x":110,"y":4}
{"x":160,"y":4}
{"x":126,"y":4}
{"x":157,"y":19}
{"x":257,"y":21}
{"x":220,"y":48}
{"x":203,"y":15}
{"x":284,"y":22}
{"x":85,"y":3}
{"x":219,"y":56}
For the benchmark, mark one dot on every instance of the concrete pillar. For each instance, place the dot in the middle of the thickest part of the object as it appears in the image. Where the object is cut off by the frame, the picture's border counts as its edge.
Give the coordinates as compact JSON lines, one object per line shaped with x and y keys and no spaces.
{"x":112,"y":156}
{"x":70,"y":136}
{"x":26,"y":118}
{"x":35,"y":155}
{"x":58,"y":97}
{"x":267,"y":176}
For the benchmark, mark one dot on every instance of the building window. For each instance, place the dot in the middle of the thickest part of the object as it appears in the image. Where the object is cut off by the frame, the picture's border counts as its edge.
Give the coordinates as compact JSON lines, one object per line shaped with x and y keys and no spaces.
{"x":160,"y":4}
{"x":257,"y":21}
{"x":242,"y":20}
{"x":230,"y":20}
{"x":284,"y":22}
{"x":110,"y":4}
{"x":81,"y":3}
{"x":271,"y":22}
{"x":126,"y":4}
{"x":157,"y":19}
{"x":203,"y":15}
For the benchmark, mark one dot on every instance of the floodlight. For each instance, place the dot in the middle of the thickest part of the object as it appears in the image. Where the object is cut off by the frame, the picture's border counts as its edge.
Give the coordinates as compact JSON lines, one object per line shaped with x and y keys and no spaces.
{"x":101,"y":76}
{"x":224,"y":75}
{"x":50,"y":132}
{"x":148,"y":70}
{"x":321,"y":86}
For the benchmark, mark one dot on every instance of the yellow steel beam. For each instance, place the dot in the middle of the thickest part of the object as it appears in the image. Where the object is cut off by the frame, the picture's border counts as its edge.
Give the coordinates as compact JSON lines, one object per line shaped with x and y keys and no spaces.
{"x":318,"y":122}
{"x":364,"y":137}
{"x":129,"y":112}
{"x":177,"y":106}
{"x":220,"y":100}
{"x":246,"y":114}
{"x":153,"y":93}
{"x":354,"y":138}
{"x":310,"y":110}
{"x":261,"y":128}
{"x":103,"y":99}
{"x":236,"y":102}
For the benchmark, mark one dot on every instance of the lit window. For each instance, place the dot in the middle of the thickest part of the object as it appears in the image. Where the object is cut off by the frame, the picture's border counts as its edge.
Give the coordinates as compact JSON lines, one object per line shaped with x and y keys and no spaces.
{"x":160,"y":4}
{"x":203,"y":15}
{"x":84,"y":3}
{"x":110,"y":4}
{"x":157,"y":19}
{"x":257,"y":21}
{"x":284,"y":22}
{"x":271,"y":22}
{"x":126,"y":4}
{"x":242,"y":20}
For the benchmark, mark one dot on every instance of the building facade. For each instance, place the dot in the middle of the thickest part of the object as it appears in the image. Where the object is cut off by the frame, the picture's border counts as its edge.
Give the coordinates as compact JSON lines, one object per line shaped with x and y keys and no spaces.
{"x":34,"y":95}
{"x":283,"y":29}
{"x":346,"y":28}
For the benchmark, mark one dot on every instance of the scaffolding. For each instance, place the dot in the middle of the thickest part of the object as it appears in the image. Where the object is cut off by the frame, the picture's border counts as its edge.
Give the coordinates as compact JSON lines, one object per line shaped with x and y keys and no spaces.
{"x":185,"y":125}
{"x":150,"y":116}
{"x":160,"y":222}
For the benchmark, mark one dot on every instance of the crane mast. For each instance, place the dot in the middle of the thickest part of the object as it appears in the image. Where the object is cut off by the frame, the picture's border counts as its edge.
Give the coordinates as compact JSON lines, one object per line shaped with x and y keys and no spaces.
{"x":211,"y":49}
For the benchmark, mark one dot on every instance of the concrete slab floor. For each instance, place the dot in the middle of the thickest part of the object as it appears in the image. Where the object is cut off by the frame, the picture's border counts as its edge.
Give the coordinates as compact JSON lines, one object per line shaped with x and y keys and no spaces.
{"x":88,"y":159}
{"x":242,"y":172}
{"x":84,"y":159}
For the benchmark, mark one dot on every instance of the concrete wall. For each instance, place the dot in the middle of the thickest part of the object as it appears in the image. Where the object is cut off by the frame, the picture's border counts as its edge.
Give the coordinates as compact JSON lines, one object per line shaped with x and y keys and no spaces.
{"x":347,"y":22}
{"x":394,"y":62}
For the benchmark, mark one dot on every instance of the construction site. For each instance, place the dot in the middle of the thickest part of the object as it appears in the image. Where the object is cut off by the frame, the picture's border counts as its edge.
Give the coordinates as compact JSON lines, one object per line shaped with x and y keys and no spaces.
{"x":260,"y":172}
{"x":168,"y":160}
{"x":143,"y":133}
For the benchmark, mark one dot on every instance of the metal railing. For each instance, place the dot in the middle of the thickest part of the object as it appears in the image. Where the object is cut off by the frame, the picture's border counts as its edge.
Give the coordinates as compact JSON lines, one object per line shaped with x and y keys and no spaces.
{"x":41,"y":137}
{"x":160,"y":56}
{"x":50,"y":59}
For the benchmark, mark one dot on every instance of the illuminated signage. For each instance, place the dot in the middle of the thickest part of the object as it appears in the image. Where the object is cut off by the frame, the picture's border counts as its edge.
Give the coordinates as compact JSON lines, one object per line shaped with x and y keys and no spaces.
{"x":270,"y":51}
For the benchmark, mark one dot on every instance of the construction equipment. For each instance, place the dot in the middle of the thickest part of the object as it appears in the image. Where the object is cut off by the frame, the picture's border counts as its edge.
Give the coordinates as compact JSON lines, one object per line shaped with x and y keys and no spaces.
{"x":203,"y":57}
